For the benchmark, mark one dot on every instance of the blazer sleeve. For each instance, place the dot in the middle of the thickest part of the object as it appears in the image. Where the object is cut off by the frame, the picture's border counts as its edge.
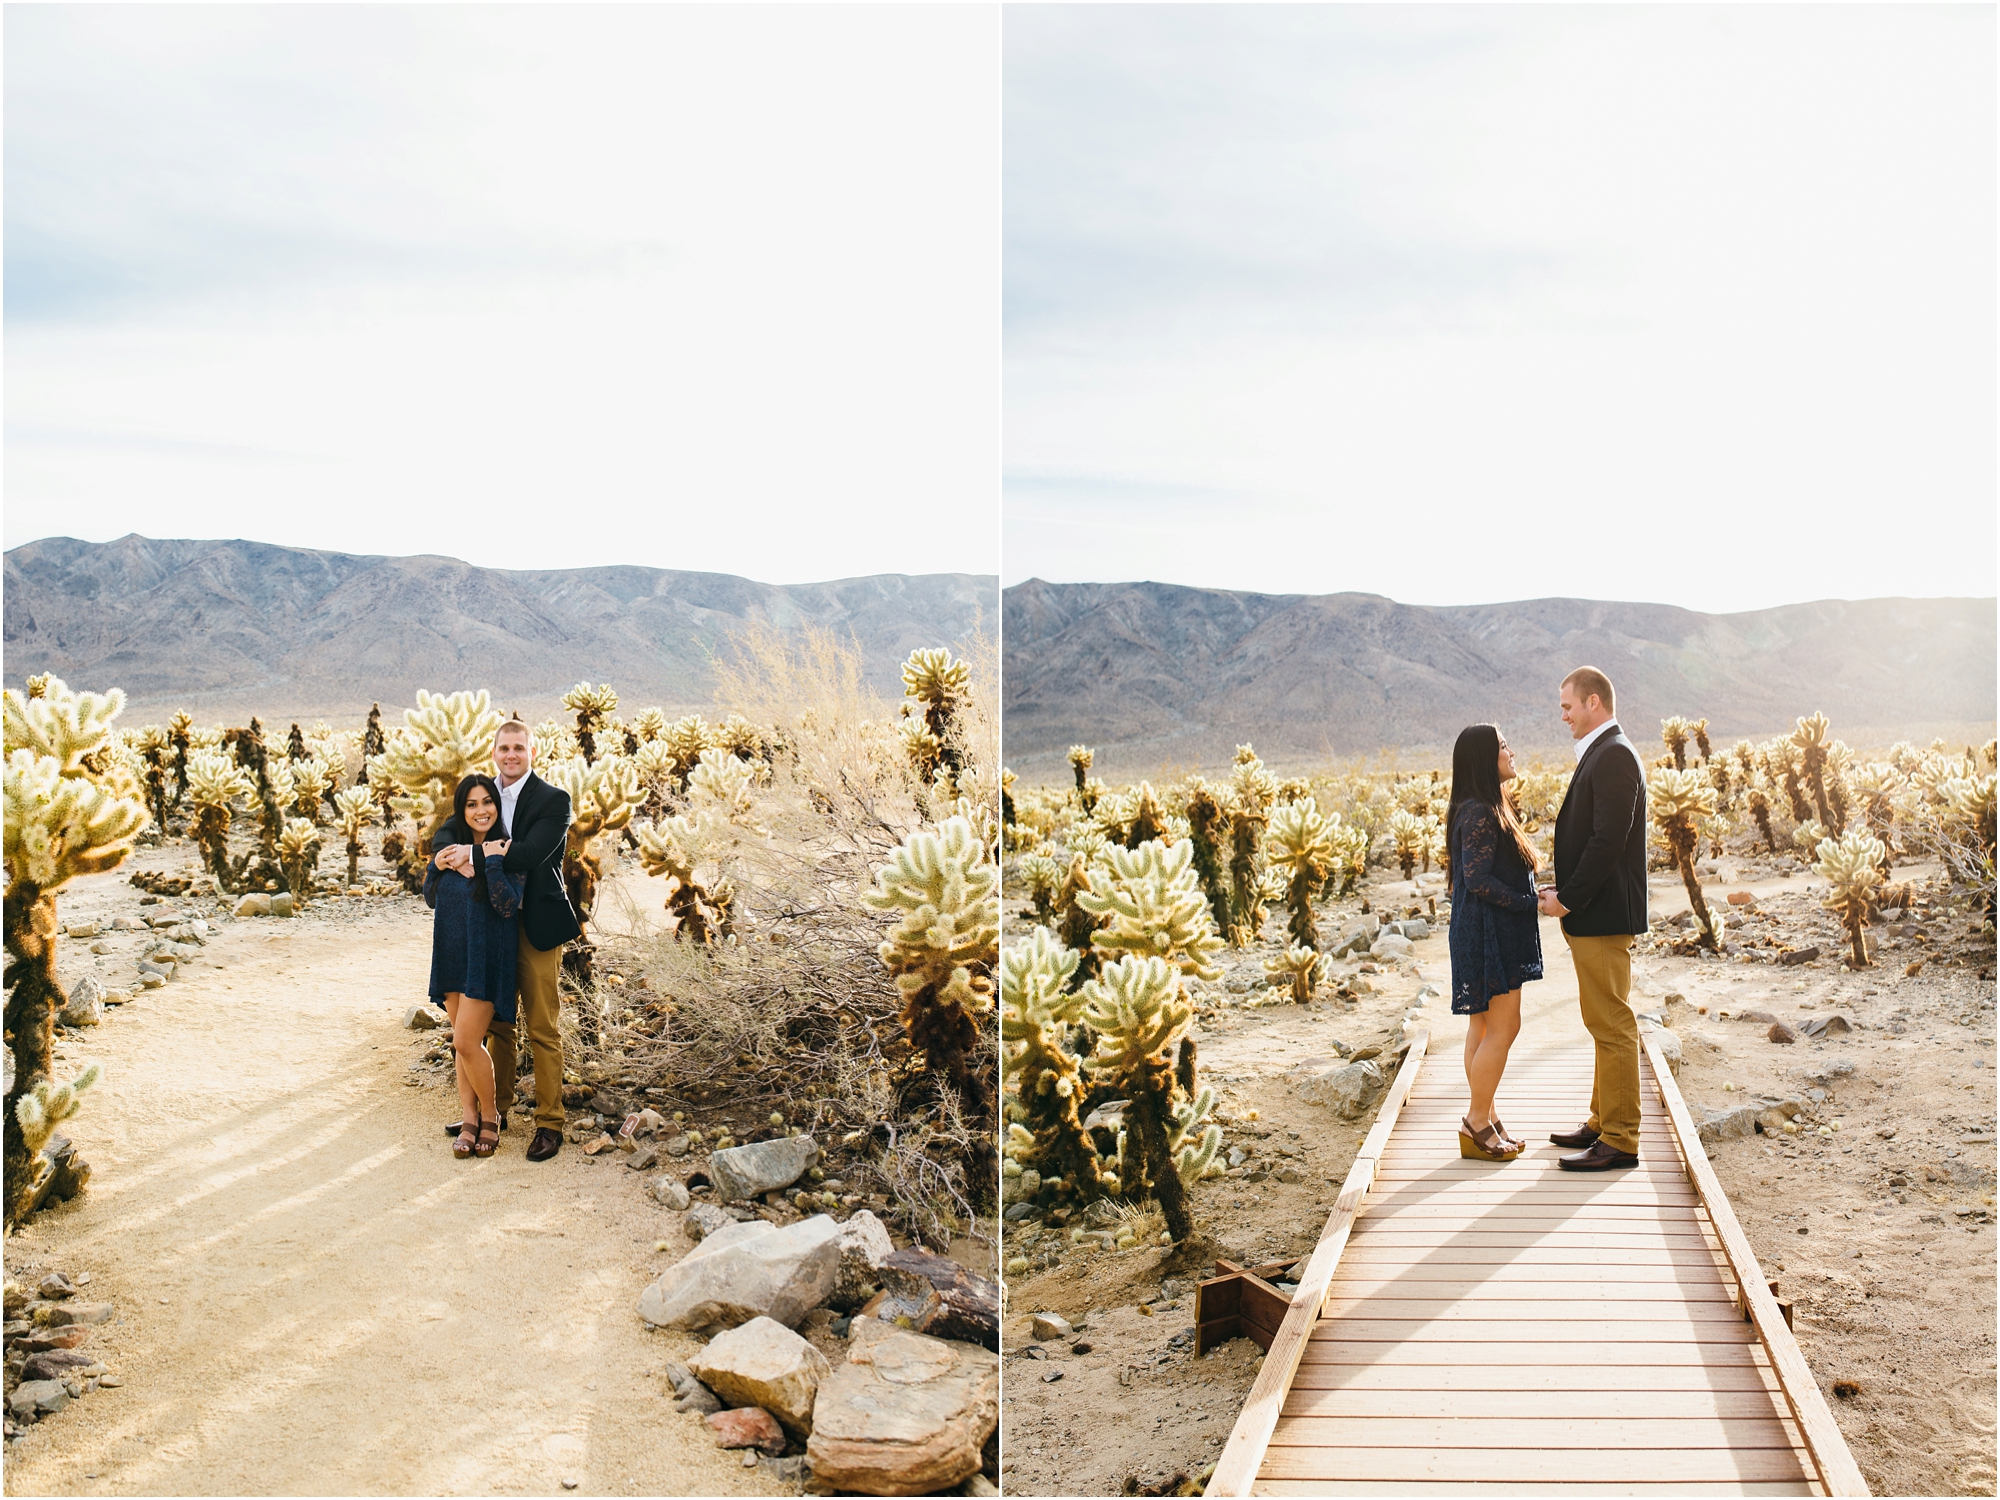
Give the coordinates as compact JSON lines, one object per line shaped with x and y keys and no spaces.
{"x":1479,"y":836}
{"x":1615,"y":789}
{"x":432,"y":875}
{"x":541,"y":832}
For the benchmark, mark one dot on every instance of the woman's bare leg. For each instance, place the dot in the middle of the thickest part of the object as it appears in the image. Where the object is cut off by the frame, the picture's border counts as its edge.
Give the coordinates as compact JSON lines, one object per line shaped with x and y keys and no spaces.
{"x":1475,"y":1034}
{"x":468,"y":1101}
{"x":1485,"y":1063}
{"x":475,"y":1067}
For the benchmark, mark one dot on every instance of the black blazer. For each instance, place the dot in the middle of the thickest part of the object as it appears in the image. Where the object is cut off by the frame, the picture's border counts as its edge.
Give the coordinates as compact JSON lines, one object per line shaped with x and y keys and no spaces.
{"x":539,"y":832}
{"x":1601,"y":841}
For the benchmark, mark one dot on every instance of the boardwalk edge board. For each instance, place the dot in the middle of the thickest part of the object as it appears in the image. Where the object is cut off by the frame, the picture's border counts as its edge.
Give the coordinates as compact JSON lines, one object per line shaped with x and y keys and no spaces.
{"x":1243,"y":1455}
{"x":1834,"y":1465}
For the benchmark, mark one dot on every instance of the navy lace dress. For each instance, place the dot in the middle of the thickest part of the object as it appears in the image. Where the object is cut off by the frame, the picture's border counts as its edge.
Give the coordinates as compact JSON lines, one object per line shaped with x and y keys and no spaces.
{"x":473,"y":943}
{"x":1496,"y":938}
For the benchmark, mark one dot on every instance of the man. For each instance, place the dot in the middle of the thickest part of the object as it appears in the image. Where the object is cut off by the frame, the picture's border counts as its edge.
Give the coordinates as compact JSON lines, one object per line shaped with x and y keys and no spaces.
{"x":537,"y":816}
{"x":1600,"y":894}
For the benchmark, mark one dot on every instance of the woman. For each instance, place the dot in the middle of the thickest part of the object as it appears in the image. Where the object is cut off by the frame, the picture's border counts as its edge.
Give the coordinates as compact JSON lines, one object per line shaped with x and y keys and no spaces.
{"x":1496,"y":941}
{"x":473,"y":952}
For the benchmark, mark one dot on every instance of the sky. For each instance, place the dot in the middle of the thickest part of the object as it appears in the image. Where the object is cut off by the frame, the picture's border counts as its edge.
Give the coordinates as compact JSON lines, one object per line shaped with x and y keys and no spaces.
{"x":1684,"y":304}
{"x":693,"y":287}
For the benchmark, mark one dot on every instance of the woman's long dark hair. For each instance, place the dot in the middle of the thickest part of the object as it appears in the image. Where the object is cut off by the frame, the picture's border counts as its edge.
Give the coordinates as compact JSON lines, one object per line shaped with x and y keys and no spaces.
{"x":461,"y":830}
{"x":1475,"y":777}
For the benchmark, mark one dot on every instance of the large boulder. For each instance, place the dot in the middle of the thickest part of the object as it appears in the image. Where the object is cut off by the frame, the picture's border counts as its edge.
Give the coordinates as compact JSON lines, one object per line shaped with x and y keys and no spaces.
{"x":765,"y":1364}
{"x":761,"y":1167}
{"x":745,"y":1271}
{"x":864,"y":1245}
{"x":1348,"y":1091}
{"x":907,"y":1414}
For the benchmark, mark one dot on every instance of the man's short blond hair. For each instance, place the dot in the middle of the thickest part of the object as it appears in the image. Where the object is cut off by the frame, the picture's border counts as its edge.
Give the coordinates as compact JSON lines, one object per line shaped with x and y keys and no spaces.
{"x":1588,"y":680}
{"x":519,"y":727}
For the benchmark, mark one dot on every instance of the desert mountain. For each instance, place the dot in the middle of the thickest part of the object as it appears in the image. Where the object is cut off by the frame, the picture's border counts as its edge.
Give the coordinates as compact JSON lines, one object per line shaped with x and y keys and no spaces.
{"x":1165,"y":675}
{"x":232,"y":626}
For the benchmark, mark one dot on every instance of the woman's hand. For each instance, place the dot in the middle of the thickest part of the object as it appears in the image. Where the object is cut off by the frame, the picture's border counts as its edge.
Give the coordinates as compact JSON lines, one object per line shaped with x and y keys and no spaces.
{"x":495,"y":848}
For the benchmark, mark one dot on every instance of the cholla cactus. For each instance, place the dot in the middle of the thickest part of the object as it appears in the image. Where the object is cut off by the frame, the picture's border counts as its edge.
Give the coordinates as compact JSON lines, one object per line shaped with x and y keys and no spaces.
{"x":354,"y":809}
{"x":1851,"y":867}
{"x":214,"y":781}
{"x":1148,"y":821}
{"x":1251,"y":793}
{"x":702,"y":912}
{"x":1350,"y":856}
{"x":1300,"y":843}
{"x":1080,"y":758}
{"x":61,"y":820}
{"x":1675,"y":732}
{"x":923,"y":749}
{"x":154,"y":750}
{"x":39,"y":1110}
{"x":945,"y":892}
{"x":1760,"y":809}
{"x":687,"y":737}
{"x":1138,"y":1010}
{"x":649,"y":724}
{"x":1678,"y":801}
{"x":1878,"y":783}
{"x":1042,"y":875}
{"x":298,"y":853}
{"x":1295,"y":970}
{"x":1813,"y":745}
{"x":312,"y":780}
{"x":1808,"y":837}
{"x":1044,"y":1077}
{"x":178,"y":728}
{"x":1411,"y":837}
{"x":590,"y":705}
{"x":1208,"y":829}
{"x":740,"y":738}
{"x":445,"y":740}
{"x":1152,"y":906}
{"x":602,"y":799}
{"x":553,"y":742}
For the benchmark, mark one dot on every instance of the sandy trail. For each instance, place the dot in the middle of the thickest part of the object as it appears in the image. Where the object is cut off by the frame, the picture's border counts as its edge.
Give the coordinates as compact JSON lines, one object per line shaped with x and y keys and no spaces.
{"x":313,"y":1296}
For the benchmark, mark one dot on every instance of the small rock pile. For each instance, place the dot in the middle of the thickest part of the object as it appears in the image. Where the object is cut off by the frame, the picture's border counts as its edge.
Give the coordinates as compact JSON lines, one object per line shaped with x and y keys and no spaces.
{"x":47,"y":1367}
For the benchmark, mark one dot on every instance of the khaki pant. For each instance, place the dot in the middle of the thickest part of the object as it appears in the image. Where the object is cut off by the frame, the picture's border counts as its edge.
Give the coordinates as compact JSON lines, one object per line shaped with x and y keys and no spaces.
{"x":538,"y":1006}
{"x":1603,"y":991}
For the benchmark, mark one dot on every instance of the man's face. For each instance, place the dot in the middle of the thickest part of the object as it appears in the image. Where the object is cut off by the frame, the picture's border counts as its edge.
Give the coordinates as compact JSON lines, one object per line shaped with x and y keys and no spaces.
{"x":513,"y":753}
{"x":1581,"y":714}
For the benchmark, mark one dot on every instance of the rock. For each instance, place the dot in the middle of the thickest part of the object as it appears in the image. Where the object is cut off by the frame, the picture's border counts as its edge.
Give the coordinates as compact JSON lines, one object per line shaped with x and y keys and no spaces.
{"x":56,"y":1287}
{"x":700,"y":1400}
{"x":677,"y":1146}
{"x":1051,"y":1326}
{"x":1740,"y":898}
{"x":1020,"y":1213}
{"x":81,"y":930}
{"x":151,"y":981}
{"x":761,"y":1167}
{"x":74,"y":1314}
{"x":670,"y":1192}
{"x":1728,"y":1124}
{"x":1392,"y":945}
{"x":421,"y":1018}
{"x":85,"y":1006}
{"x":965,"y":1306}
{"x":747,"y":1427}
{"x":253,"y":904}
{"x":1348,"y":1091}
{"x":1780,"y":1032}
{"x":1109,"y":1115}
{"x":282,"y":904}
{"x":745,"y":1271}
{"x":1773,"y":1121}
{"x":1670,"y":1047}
{"x":1832,"y":1025}
{"x":1415,"y":929}
{"x":907,"y":1414}
{"x":52,"y":1338}
{"x":980,"y":1485}
{"x":864,"y":1246}
{"x":153,"y":973}
{"x":643,"y":1158}
{"x":699,"y":1222}
{"x":764,"y":1364}
{"x":1799,"y":956}
{"x":43,"y":1397}
{"x":55,"y":1364}
{"x":602,"y":1144}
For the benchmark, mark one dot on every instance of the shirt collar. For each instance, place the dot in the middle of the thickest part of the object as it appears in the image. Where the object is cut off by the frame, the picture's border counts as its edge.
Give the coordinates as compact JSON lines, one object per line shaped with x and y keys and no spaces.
{"x":1584,"y":744}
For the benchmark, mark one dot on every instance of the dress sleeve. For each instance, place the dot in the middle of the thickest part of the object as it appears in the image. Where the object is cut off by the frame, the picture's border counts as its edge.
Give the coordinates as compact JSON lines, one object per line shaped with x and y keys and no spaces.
{"x":432,"y":876}
{"x":1478,"y":847}
{"x":503,"y":891}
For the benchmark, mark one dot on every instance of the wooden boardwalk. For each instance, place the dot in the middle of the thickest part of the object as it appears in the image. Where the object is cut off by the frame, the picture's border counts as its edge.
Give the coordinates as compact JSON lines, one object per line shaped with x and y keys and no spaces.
{"x":1511,"y":1327}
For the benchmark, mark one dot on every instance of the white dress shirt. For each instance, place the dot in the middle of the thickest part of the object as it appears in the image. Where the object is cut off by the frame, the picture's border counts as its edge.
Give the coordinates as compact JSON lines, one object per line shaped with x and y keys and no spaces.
{"x":1581,"y":745}
{"x":509,"y":795}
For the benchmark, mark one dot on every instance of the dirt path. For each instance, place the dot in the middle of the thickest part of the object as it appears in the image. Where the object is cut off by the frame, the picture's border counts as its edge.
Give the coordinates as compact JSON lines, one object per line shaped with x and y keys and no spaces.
{"x":313,"y":1296}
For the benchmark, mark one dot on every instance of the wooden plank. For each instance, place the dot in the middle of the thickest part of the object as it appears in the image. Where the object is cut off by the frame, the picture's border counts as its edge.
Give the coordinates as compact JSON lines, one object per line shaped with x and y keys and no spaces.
{"x":1554,"y":1382}
{"x":1545,"y":1487}
{"x":1236,"y":1468}
{"x":1504,"y":1212}
{"x":1538,"y":1434}
{"x":1664,"y":1328}
{"x":1566,"y":1310}
{"x":1693,"y":1273}
{"x":1537,"y":1405}
{"x":1379,"y":1289}
{"x":1466,"y":1465}
{"x":1539,"y":1255}
{"x":1837,"y":1471}
{"x":1523,"y":1236}
{"x":1517,"y":1352}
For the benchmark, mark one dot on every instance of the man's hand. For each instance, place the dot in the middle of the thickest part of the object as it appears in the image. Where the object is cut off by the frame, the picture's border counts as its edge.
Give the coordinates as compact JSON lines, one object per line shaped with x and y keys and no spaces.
{"x":455,"y":857}
{"x":1548,"y":905}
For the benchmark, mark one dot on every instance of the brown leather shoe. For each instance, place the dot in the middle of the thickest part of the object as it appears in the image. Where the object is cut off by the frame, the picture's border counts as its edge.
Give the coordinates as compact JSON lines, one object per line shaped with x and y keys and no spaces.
{"x":546,"y":1144}
{"x":1599,"y":1158}
{"x":1575,"y":1139}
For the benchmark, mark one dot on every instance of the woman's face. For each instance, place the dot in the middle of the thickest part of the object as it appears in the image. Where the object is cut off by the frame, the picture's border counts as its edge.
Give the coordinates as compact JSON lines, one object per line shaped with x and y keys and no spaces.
{"x":1506,"y":760}
{"x":481,"y":813}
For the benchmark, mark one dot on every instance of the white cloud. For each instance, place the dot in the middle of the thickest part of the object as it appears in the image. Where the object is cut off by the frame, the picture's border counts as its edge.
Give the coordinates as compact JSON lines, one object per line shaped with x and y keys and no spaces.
{"x":698,"y":287}
{"x":1693,"y":304}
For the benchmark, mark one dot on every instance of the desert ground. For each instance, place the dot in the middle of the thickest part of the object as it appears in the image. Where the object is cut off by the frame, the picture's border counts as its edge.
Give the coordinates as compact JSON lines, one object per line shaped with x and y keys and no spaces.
{"x":1881,"y":1234}
{"x":312,"y":1295}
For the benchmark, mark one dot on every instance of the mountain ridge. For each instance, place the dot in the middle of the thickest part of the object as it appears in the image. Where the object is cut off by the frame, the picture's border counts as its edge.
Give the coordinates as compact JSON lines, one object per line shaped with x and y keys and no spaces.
{"x":244,"y":626}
